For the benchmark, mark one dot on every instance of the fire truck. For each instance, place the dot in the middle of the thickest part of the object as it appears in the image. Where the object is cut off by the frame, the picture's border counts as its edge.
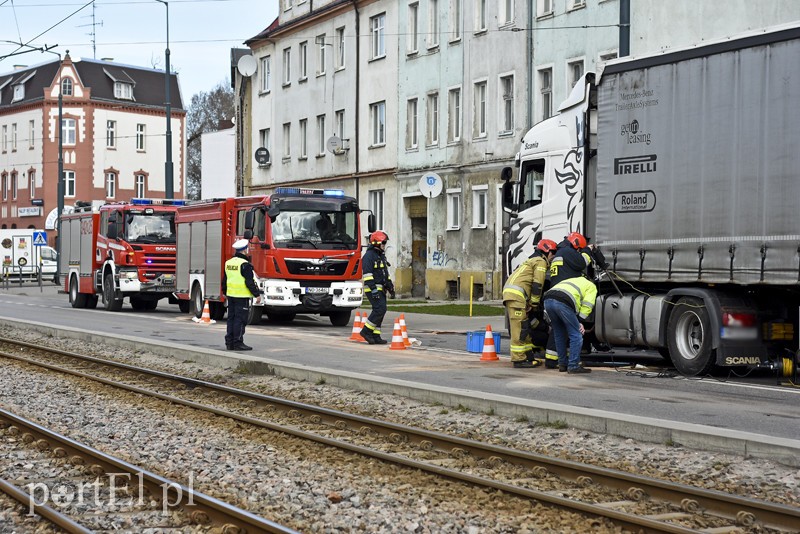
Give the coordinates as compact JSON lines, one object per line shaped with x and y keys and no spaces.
{"x":304,"y":247}
{"x":118,"y":250}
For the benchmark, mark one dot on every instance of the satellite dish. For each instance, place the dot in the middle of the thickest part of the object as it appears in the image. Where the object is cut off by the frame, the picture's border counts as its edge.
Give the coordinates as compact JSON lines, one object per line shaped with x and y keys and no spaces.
{"x":431,"y":185}
{"x":246,"y":66}
{"x":334,"y":144}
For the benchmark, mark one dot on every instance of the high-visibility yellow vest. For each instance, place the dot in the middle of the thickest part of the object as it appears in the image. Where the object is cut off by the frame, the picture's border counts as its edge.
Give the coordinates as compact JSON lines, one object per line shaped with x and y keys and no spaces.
{"x":580,"y":291}
{"x":236,"y":286}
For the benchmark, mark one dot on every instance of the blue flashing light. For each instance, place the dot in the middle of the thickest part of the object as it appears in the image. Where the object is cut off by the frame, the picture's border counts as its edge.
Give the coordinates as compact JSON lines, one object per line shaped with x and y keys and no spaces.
{"x":157,"y":201}
{"x":288,"y":190}
{"x":301,"y":191}
{"x":333,"y":193}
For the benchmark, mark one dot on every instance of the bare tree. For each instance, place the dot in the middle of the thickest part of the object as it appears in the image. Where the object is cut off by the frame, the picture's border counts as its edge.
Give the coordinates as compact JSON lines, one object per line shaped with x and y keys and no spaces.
{"x":205,"y":113}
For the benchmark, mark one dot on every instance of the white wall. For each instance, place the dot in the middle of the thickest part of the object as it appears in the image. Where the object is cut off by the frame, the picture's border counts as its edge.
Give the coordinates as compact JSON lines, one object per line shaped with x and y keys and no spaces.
{"x":218,"y":165}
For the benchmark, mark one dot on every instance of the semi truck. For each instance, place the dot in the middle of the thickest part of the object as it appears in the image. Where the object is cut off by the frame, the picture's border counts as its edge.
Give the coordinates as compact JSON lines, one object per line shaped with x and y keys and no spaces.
{"x":23,"y":257}
{"x":118,"y":250}
{"x":684,"y":169}
{"x":305,"y":248}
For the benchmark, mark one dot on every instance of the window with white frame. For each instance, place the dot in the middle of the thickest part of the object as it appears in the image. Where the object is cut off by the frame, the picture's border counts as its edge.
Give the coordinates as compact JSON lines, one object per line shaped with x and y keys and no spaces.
{"x":4,"y":140}
{"x":574,"y":73}
{"x":321,"y":140}
{"x":412,"y":118}
{"x":378,"y":35}
{"x":69,"y":183}
{"x":578,"y":3}
{"x":140,"y":137}
{"x":263,"y":139}
{"x":19,"y":93}
{"x":303,"y":60}
{"x":14,"y":137}
{"x":506,"y":12}
{"x":68,"y":131}
{"x":111,"y":184}
{"x":413,"y":28}
{"x":31,"y":136}
{"x":480,"y":206}
{"x":544,"y":8}
{"x":376,"y":206}
{"x":14,"y":185}
{"x":454,"y":115}
{"x":453,"y":209}
{"x":322,"y":55}
{"x":303,"y":138}
{"x":433,"y":119}
{"x":287,"y":142}
{"x":123,"y":91}
{"x":480,"y":16}
{"x":455,"y":20}
{"x":4,"y":185}
{"x":32,"y":183}
{"x":111,"y":134}
{"x":507,"y":104}
{"x":340,"y":48}
{"x":66,"y":87}
{"x":479,"y":128}
{"x":287,"y":66}
{"x":377,"y":114}
{"x":433,"y":23}
{"x":140,"y":186}
{"x":339,"y":124}
{"x":266,"y":74}
{"x":605,"y":58}
{"x":287,"y":5}
{"x":546,"y":92}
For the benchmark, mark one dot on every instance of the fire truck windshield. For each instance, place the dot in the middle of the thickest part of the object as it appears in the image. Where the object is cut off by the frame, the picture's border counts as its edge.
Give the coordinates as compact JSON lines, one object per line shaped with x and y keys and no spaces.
{"x":152,"y":228}
{"x":316,"y":229}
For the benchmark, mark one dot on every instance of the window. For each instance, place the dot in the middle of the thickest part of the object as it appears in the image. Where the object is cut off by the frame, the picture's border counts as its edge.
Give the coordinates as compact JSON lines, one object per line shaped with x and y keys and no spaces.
{"x":111,"y":134}
{"x":4,"y":185}
{"x":453,"y":209}
{"x":263,"y":139}
{"x":5,"y":138}
{"x":287,"y":145}
{"x":19,"y":93}
{"x":480,"y":207}
{"x":455,"y":20}
{"x":288,"y":5}
{"x":411,"y":124}
{"x":32,"y":183}
{"x":14,"y":137}
{"x":377,"y":113}
{"x":433,"y":119}
{"x":140,"y":137}
{"x":303,"y":60}
{"x":544,"y":8}
{"x":454,"y":115}
{"x":69,"y":183}
{"x":111,"y":184}
{"x":340,"y":49}
{"x":303,"y":138}
{"x":506,"y":11}
{"x":479,"y":128}
{"x":266,"y":74}
{"x":68,"y":131}
{"x":14,"y":185}
{"x":578,"y":3}
{"x":287,"y":66}
{"x":321,"y":140}
{"x":605,"y":58}
{"x":376,"y":205}
{"x":140,"y":186}
{"x":31,"y":138}
{"x":340,"y":124}
{"x":433,"y":23}
{"x":413,"y":28}
{"x":123,"y":91}
{"x":574,"y":73}
{"x":480,"y":16}
{"x":321,"y":55}
{"x":546,"y":90}
{"x":378,"y":41}
{"x":507,"y":103}
{"x":66,"y":87}
{"x":532,"y":183}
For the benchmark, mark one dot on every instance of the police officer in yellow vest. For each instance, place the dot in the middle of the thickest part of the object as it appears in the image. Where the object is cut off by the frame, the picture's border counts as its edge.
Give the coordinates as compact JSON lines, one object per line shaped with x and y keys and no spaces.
{"x":521,"y":295}
{"x":239,"y":287}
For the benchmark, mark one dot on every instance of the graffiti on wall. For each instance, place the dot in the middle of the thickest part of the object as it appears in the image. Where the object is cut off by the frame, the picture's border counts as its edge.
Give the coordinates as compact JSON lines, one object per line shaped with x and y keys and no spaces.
{"x":441,"y":259}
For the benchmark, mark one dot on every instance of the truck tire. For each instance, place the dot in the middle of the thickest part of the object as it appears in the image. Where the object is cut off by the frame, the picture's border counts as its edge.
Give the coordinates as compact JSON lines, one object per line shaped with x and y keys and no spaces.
{"x":110,"y":300}
{"x":277,"y":317}
{"x":184,"y":305}
{"x":340,"y":318}
{"x":255,"y":315}
{"x":91,"y":301}
{"x":138,"y":304}
{"x":76,"y":299}
{"x":196,"y":304}
{"x":217,"y":310}
{"x":150,"y":305}
{"x":689,"y":337}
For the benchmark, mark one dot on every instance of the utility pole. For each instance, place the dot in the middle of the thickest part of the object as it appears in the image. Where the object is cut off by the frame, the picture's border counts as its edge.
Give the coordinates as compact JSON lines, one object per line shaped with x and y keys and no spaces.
{"x":168,"y":181}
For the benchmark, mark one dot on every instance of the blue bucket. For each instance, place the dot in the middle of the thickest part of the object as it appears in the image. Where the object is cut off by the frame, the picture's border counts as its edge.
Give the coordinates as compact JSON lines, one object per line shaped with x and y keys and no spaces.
{"x":475,"y":341}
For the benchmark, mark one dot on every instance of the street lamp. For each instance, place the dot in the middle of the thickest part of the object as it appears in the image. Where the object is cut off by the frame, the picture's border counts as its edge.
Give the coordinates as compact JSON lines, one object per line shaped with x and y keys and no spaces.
{"x":60,"y":191}
{"x":168,"y":183}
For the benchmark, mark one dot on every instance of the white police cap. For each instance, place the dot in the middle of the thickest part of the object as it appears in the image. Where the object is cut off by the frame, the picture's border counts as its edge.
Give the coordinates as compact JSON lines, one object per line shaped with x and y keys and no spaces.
{"x":241,"y":244}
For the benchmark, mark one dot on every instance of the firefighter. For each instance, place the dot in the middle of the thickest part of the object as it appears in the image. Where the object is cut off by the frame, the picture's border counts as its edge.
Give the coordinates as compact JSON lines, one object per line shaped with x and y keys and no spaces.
{"x":239,"y":288}
{"x":521,"y":296}
{"x":566,"y":304}
{"x":377,"y":284}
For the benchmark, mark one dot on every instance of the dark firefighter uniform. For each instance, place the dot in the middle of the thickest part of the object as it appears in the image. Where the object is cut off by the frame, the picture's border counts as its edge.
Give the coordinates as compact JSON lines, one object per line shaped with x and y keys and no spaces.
{"x":377,"y":284}
{"x":523,"y":292}
{"x":239,"y":288}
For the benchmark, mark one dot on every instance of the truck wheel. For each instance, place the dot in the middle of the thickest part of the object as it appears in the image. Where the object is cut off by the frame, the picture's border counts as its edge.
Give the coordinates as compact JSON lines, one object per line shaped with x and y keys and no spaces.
{"x":196,"y":307}
{"x":689,"y":337}
{"x":91,"y":301}
{"x":281,"y":317}
{"x":255,"y":315}
{"x":76,"y":299}
{"x":340,"y":318}
{"x":217,"y":310}
{"x":664,"y":353}
{"x":184,"y":305}
{"x":150,"y":305}
{"x":110,"y":302}
{"x":138,"y":304}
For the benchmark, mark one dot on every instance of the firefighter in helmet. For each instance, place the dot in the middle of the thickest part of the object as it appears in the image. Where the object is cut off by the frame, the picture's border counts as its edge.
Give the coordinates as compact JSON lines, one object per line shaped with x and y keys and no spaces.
{"x":522,"y":296}
{"x":377,"y":284}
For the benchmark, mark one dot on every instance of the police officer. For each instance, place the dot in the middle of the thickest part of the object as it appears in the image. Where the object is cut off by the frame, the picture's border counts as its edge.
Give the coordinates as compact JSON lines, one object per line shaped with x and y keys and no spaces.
{"x":377,"y":283}
{"x":521,"y":296}
{"x":239,"y":288}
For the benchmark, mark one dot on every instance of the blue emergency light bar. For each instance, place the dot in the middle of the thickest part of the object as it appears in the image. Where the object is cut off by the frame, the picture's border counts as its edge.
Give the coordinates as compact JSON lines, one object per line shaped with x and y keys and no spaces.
{"x":300,"y":191}
{"x":157,"y":201}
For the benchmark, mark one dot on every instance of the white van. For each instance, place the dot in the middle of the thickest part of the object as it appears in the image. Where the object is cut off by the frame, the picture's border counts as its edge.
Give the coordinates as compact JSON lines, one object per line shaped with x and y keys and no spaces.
{"x":20,"y":256}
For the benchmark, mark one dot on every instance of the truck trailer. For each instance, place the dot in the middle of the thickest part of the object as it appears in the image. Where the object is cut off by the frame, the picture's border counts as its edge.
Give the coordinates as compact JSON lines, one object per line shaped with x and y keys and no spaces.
{"x":684,"y":169}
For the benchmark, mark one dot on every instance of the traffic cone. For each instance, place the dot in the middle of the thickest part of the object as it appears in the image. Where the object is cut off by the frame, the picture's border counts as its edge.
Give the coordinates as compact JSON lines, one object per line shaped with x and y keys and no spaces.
{"x":489,"y":353}
{"x":206,"y":317}
{"x":397,"y":337}
{"x":357,"y":326}
{"x":404,"y":331}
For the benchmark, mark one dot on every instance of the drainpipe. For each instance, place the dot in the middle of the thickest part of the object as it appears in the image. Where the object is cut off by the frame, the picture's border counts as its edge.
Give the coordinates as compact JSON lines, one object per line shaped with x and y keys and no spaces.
{"x":358,"y":97}
{"x":529,"y":59}
{"x":624,"y":28}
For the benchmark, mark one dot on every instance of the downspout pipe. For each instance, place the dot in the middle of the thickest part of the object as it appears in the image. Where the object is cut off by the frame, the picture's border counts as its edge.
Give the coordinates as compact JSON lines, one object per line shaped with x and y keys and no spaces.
{"x":358,"y":97}
{"x":529,"y":63}
{"x":624,"y":28}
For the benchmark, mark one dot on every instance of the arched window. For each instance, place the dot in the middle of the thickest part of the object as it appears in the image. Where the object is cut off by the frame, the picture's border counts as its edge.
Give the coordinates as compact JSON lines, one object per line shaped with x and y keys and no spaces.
{"x":66,"y":87}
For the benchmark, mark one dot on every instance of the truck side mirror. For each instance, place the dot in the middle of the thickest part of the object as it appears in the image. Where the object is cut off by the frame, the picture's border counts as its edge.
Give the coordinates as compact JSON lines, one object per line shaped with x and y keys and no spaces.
{"x":509,"y":206}
{"x":506,"y":174}
{"x":248,"y":234}
{"x":273,"y":211}
{"x":111,"y":233}
{"x":371,"y":224}
{"x":249,"y":221}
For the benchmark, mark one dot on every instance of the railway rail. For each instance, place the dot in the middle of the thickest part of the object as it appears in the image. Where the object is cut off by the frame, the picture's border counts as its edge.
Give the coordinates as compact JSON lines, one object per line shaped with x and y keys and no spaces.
{"x":632,"y":501}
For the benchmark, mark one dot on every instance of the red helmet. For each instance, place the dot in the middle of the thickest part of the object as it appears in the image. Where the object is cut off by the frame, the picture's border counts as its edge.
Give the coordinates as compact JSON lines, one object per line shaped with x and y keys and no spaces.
{"x":577,"y":240}
{"x":379,"y":237}
{"x":546,"y":245}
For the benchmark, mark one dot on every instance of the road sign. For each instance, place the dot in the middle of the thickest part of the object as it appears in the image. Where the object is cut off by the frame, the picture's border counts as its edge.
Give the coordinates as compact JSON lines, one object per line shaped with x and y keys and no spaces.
{"x":39,"y":239}
{"x":262,"y":154}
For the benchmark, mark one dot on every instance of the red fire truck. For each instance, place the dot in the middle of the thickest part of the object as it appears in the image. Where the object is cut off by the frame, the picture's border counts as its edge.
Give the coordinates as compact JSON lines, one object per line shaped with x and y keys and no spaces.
{"x":304,"y":247}
{"x":120,"y":250}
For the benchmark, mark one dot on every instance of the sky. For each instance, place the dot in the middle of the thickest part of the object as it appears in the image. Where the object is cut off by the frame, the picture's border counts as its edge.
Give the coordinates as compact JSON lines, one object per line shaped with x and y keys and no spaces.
{"x":201,"y":34}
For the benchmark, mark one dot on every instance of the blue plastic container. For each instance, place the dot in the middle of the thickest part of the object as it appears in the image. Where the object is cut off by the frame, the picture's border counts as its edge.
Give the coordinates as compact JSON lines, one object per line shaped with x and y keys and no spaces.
{"x":475,"y":341}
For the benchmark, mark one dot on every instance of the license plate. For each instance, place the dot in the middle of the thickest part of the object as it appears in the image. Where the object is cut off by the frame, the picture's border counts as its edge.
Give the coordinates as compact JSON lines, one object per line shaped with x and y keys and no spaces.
{"x":316,"y":290}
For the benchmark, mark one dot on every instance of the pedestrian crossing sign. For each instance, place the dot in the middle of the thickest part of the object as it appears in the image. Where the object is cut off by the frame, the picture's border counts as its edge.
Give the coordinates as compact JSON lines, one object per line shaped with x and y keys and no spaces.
{"x":39,"y":239}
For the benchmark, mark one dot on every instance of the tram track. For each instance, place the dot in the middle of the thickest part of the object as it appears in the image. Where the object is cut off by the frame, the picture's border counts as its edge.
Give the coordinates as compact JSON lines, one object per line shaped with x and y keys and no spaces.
{"x":632,"y":501}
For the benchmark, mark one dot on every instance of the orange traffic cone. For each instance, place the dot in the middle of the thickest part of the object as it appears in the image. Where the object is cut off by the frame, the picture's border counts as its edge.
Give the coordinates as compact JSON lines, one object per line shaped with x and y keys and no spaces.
{"x":206,"y":317}
{"x":397,"y":337}
{"x":489,"y":353}
{"x":404,"y":331}
{"x":357,"y":326}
